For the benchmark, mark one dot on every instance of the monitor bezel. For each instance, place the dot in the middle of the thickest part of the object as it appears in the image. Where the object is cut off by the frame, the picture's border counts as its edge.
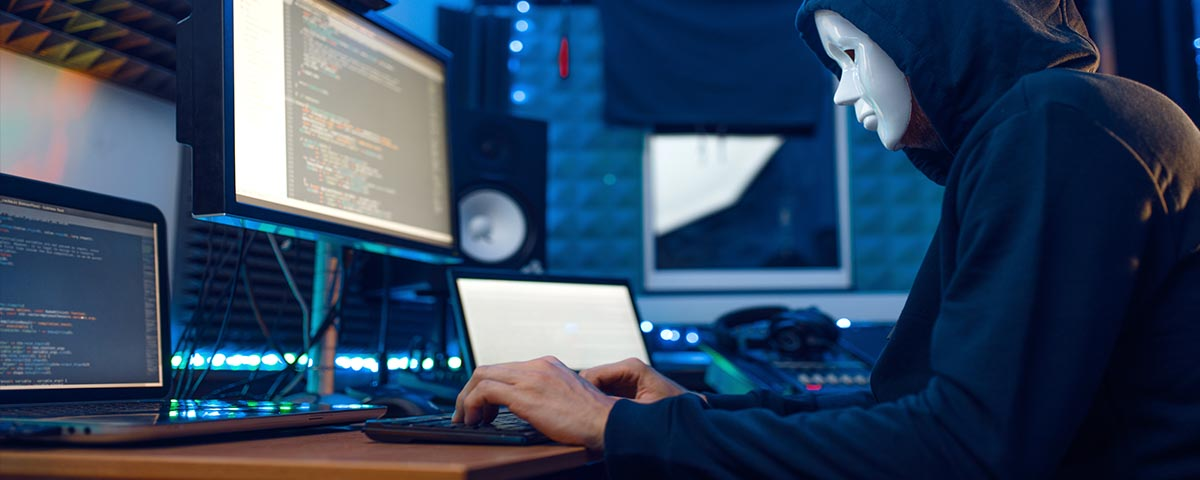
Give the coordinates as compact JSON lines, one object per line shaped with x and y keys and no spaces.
{"x":61,"y":196}
{"x":460,"y":320}
{"x":205,"y":123}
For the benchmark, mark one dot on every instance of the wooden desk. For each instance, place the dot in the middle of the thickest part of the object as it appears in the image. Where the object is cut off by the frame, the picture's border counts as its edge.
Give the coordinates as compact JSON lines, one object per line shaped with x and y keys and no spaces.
{"x":331,"y":455}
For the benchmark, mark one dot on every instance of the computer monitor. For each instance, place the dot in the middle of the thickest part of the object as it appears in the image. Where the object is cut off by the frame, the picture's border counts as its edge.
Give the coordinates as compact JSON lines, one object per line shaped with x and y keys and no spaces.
{"x":726,"y":212}
{"x":311,"y":120}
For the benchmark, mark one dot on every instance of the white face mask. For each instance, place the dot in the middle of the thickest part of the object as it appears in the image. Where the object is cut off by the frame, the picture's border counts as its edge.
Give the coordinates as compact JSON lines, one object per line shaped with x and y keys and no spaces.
{"x":871,"y":81}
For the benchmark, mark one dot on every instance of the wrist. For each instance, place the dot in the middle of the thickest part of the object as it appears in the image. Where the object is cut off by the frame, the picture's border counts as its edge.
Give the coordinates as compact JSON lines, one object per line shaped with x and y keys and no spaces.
{"x":595,"y":441}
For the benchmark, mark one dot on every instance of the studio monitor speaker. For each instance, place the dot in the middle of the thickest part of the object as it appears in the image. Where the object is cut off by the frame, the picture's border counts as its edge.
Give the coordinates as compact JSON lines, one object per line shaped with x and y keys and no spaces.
{"x":500,"y":187}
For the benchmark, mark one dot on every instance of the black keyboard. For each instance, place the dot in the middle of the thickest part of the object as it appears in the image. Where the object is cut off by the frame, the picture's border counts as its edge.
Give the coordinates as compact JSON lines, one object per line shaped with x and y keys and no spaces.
{"x":506,"y":429}
{"x":80,"y":409}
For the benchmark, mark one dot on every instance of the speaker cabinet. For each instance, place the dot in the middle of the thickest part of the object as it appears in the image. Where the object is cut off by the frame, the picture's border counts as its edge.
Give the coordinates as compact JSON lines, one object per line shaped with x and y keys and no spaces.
{"x":500,"y":187}
{"x":479,"y":77}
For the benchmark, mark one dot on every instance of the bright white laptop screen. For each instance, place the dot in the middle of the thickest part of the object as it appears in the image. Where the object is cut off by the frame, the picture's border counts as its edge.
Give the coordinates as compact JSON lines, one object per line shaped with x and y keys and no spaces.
{"x":584,"y":325}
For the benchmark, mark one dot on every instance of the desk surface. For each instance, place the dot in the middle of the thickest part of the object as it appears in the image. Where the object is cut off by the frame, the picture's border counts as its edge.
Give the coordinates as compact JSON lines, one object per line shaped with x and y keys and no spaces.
{"x":339,"y":454}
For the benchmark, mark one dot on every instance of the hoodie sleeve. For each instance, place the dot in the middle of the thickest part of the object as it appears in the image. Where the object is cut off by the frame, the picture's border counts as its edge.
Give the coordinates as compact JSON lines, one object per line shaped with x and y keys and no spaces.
{"x":787,"y":405}
{"x":1044,"y":268}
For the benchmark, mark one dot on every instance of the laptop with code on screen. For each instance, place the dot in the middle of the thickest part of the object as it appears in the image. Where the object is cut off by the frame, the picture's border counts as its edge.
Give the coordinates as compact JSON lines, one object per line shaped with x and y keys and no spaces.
{"x":84,"y":328}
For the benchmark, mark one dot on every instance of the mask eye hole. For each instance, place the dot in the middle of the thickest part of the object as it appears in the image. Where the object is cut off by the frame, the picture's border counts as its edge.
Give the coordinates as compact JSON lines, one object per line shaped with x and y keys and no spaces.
{"x":850,"y":53}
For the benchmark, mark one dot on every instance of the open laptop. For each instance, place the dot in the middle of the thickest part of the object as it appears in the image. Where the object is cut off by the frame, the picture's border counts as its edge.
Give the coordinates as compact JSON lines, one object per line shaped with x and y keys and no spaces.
{"x":585,"y":322}
{"x":84,"y":328}
{"x":508,"y":317}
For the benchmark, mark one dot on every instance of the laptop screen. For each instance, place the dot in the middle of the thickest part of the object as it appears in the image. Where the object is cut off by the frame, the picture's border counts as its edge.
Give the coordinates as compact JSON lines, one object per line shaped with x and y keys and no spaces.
{"x":78,"y":299}
{"x":583,"y":324}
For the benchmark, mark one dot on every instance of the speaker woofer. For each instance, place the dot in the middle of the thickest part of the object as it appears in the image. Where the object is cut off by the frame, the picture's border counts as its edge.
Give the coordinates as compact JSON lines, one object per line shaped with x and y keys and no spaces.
{"x":492,"y":226}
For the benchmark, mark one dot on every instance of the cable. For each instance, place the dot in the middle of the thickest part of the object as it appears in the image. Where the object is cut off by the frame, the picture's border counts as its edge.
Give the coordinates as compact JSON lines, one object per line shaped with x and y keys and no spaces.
{"x":332,"y":317}
{"x":205,"y":278}
{"x":201,"y":324}
{"x":262,"y":326}
{"x":246,"y":243}
{"x":306,"y":315}
{"x":332,"y":314}
{"x":272,"y":344}
{"x":190,"y":335}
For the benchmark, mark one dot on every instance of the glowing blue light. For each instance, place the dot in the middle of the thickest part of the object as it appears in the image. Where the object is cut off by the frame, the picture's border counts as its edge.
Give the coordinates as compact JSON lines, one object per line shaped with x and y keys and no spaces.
{"x":523,"y":26}
{"x":289,"y":357}
{"x":647,"y":327}
{"x":234,"y":361}
{"x":843,"y":323}
{"x":454,"y":363}
{"x":665,"y":334}
{"x":674,"y":335}
{"x":427,"y":364}
{"x":176,"y":361}
{"x":356,"y":363}
{"x":519,"y":96}
{"x":197,"y":360}
{"x":396,"y":363}
{"x":523,"y":6}
{"x":343,"y":361}
{"x":270,"y":360}
{"x":516,"y":46}
{"x":253,"y":360}
{"x":413,"y":364}
{"x":218,"y":360}
{"x":371,"y":364}
{"x":693,"y":337}
{"x":1196,"y":43}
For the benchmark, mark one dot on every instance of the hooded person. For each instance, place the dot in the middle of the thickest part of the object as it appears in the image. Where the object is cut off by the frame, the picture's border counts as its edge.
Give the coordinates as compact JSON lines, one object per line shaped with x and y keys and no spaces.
{"x":1051,"y":329}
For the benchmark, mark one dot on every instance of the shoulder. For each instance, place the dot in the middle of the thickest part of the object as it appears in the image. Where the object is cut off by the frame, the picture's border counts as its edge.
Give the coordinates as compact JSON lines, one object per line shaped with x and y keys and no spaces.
{"x":1086,"y":121}
{"x":1109,"y":100}
{"x":1151,"y":126}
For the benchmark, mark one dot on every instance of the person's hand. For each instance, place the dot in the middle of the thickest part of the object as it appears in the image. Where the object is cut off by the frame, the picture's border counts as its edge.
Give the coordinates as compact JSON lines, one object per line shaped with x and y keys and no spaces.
{"x":633,"y":379}
{"x":545,"y":393}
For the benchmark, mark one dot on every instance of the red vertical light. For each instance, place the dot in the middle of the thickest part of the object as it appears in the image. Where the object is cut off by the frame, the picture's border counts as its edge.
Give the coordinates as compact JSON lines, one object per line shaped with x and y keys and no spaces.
{"x":564,"y":58}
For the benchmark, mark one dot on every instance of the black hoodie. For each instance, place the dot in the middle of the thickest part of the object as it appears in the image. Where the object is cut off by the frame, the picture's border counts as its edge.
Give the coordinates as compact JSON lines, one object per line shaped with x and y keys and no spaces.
{"x":1052,"y":329}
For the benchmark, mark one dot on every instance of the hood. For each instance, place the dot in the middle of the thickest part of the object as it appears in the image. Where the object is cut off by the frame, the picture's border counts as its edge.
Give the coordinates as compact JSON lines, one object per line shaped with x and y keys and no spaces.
{"x":961,"y":56}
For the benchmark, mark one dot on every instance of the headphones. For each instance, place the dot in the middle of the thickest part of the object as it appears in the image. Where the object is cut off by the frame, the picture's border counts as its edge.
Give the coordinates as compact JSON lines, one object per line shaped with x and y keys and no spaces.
{"x":805,"y":334}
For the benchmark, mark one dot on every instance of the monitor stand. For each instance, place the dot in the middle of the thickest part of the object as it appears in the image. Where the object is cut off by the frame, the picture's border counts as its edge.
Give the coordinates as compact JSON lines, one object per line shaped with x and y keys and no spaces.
{"x":326,"y":278}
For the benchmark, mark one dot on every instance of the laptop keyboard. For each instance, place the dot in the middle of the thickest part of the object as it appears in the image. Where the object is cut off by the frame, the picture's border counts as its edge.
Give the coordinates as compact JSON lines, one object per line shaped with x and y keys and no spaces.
{"x":507,"y":428}
{"x":78,"y":409}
